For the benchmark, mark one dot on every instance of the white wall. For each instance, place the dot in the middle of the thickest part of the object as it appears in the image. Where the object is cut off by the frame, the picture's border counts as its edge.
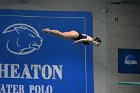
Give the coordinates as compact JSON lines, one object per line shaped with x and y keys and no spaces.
{"x":99,"y":27}
{"x":124,"y":33}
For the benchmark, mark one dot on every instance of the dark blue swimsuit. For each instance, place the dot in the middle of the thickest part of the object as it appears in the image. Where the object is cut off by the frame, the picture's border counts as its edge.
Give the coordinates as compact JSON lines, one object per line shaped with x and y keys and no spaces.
{"x":81,"y":37}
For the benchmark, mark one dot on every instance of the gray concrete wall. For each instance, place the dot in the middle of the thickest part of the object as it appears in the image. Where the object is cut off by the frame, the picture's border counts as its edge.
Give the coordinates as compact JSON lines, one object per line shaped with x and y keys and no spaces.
{"x":99,"y":27}
{"x":124,"y":33}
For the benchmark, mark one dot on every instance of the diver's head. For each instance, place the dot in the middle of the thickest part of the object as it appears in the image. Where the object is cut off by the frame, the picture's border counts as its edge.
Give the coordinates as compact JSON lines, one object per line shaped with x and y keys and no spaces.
{"x":97,"y":41}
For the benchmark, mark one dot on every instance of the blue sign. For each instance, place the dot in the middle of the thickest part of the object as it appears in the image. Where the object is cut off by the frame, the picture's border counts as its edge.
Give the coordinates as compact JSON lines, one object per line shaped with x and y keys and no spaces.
{"x":32,"y":61}
{"x":129,"y":61}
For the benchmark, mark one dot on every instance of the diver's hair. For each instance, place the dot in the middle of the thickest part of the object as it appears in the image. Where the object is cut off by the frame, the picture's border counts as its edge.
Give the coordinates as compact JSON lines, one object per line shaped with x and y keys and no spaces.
{"x":97,"y":39}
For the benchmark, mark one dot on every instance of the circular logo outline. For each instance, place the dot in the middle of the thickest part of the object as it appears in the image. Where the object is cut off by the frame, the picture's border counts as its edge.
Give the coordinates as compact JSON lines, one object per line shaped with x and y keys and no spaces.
{"x":128,"y":64}
{"x":26,"y":25}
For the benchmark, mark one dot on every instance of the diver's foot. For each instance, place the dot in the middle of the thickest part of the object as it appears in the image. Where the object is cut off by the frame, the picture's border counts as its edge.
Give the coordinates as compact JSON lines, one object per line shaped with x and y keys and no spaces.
{"x":53,"y":32}
{"x":47,"y":30}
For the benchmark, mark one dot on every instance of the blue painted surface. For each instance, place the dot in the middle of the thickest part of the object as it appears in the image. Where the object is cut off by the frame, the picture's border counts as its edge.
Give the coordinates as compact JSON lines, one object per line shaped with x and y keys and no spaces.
{"x":76,"y":60}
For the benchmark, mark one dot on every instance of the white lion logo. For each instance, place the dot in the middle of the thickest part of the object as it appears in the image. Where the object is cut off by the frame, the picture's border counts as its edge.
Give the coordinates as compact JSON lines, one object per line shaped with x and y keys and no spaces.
{"x":24,"y":39}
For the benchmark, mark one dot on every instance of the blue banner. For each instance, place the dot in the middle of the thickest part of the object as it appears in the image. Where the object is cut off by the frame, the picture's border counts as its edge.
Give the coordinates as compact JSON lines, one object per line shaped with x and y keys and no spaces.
{"x":129,"y":61}
{"x":32,"y":61}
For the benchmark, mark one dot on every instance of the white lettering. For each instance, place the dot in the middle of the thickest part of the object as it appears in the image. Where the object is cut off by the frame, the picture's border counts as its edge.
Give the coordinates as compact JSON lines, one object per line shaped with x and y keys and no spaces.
{"x":131,"y":62}
{"x":57,"y":70}
{"x":5,"y":70}
{"x":31,"y":71}
{"x":31,"y":88}
{"x":8,"y":88}
{"x":2,"y":90}
{"x":36,"y":69}
{"x":14,"y":71}
{"x":40,"y":89}
{"x":44,"y":72}
{"x":26,"y":72}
